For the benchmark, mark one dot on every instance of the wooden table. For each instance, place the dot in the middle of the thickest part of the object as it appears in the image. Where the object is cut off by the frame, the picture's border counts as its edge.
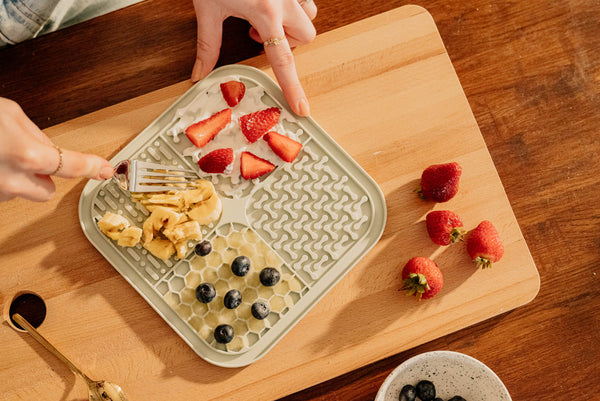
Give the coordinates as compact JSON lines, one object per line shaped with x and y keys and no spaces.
{"x":530,"y":71}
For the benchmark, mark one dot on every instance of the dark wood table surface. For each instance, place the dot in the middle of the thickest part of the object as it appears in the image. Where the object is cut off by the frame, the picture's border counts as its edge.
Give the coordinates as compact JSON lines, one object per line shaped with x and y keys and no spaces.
{"x":531,"y":72}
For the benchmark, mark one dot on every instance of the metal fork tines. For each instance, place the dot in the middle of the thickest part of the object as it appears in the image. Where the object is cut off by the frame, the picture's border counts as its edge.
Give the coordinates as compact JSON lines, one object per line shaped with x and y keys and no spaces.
{"x":140,"y":176}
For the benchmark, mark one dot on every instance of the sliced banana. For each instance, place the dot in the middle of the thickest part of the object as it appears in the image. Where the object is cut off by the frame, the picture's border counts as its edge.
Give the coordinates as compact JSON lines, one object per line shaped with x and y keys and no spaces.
{"x":118,"y":228}
{"x":161,"y":218}
{"x":176,"y":217}
{"x":161,"y":248}
{"x":111,"y":224}
{"x":206,"y":211}
{"x":189,"y":230}
{"x":175,"y":201}
{"x":152,"y":208}
{"x":205,"y":191}
{"x":130,"y":236}
{"x":181,"y":248}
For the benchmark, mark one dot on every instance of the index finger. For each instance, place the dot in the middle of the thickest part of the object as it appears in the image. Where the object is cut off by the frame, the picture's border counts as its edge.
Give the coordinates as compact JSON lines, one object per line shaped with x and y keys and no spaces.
{"x":279,"y":54}
{"x":208,"y":38}
{"x":75,"y":165}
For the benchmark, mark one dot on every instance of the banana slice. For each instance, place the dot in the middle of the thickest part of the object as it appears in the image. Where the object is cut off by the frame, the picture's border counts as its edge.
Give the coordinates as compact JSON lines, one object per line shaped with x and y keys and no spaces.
{"x":181,"y":249}
{"x":175,"y":217}
{"x":111,"y":224}
{"x":160,"y":218}
{"x":161,"y":248}
{"x":205,"y":191}
{"x":152,"y":208}
{"x":184,"y":232}
{"x":130,"y":236}
{"x":206,"y":211}
{"x":175,"y":200}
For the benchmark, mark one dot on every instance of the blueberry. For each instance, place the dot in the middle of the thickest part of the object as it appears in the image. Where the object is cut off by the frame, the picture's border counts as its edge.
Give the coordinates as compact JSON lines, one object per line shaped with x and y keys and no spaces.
{"x":408,"y":393}
{"x":205,"y":292}
{"x":240,"y":266}
{"x":232,"y":299}
{"x":224,"y":333}
{"x":269,"y":276}
{"x":457,"y":398}
{"x":260,"y":310}
{"x":203,"y":248}
{"x":425,"y":390}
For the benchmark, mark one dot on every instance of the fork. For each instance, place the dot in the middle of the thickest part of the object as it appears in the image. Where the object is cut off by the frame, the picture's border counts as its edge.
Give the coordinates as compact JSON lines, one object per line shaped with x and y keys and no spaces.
{"x":140,"y":176}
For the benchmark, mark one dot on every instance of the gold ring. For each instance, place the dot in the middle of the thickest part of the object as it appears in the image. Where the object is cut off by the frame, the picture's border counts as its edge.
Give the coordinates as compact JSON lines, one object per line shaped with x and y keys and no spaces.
{"x":60,"y":160}
{"x":273,"y":41}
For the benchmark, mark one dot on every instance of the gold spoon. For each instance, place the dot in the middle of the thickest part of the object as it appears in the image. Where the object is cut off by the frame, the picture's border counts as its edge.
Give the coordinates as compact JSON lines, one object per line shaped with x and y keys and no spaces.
{"x":99,"y":390}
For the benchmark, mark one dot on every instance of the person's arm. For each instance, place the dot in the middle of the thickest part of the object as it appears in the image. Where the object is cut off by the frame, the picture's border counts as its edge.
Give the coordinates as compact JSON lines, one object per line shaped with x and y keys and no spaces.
{"x":279,"y":24}
{"x":28,"y":158}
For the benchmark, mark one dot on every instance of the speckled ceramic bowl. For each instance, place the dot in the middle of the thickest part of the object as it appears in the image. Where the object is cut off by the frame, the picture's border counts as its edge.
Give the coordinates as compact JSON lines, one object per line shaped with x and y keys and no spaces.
{"x":452,"y":373}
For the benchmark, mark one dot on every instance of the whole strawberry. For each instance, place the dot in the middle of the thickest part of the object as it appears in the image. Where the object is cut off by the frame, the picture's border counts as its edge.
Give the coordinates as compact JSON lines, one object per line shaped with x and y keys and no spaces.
{"x":439,"y":182}
{"x":422,"y":278}
{"x":444,"y":227}
{"x":484,"y":245}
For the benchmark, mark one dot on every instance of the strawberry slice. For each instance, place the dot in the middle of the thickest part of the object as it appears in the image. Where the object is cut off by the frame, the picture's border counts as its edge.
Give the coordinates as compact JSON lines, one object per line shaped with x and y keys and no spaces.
{"x":284,"y":147}
{"x":233,"y":92}
{"x":216,"y":161}
{"x":252,"y":166}
{"x":202,"y":132}
{"x":255,"y":125}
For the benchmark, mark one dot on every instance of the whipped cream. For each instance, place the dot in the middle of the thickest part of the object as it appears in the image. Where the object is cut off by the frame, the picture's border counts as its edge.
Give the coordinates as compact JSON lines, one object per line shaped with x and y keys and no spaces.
{"x":211,"y":101}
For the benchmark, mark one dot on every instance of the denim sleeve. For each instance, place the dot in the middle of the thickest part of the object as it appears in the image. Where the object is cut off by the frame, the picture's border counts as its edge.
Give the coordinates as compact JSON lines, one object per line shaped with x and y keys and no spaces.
{"x":23,"y":19}
{"x":26,"y":19}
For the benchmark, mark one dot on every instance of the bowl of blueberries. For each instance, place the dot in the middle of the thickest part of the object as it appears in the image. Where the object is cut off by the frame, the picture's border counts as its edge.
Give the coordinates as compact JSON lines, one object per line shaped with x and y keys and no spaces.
{"x":442,"y":376}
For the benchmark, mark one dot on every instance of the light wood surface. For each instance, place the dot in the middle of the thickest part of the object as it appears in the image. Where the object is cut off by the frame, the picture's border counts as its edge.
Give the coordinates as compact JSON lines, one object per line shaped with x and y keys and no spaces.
{"x":394,"y":103}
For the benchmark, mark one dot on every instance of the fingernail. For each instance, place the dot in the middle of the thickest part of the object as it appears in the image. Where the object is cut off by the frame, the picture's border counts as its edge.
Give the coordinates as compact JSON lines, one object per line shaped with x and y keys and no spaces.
{"x":197,"y":71}
{"x":106,"y":173}
{"x":303,"y":109}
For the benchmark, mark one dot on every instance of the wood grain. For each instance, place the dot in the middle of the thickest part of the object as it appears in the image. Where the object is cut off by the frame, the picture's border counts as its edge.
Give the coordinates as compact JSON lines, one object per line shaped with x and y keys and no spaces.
{"x":530,"y":72}
{"x":365,"y":317}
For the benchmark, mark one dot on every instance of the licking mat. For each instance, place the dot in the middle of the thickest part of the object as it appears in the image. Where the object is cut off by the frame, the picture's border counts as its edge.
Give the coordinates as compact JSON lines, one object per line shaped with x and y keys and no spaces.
{"x":312,"y":220}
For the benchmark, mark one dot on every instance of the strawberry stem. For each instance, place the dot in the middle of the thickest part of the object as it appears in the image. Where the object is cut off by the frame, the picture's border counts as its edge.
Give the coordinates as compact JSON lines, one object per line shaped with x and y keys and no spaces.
{"x":483,"y":262}
{"x":416,"y":284}
{"x":457,"y":234}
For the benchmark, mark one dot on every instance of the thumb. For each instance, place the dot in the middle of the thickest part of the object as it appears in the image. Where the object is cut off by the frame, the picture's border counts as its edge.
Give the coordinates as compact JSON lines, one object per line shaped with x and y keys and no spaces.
{"x":208,"y":42}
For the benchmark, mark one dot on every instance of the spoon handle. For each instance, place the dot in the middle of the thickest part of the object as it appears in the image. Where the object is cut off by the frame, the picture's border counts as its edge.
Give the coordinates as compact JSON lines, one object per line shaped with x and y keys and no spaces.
{"x":42,"y":340}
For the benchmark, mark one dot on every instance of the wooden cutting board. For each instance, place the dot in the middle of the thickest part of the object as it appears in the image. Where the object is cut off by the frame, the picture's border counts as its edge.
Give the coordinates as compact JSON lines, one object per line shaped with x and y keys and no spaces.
{"x":385,"y":90}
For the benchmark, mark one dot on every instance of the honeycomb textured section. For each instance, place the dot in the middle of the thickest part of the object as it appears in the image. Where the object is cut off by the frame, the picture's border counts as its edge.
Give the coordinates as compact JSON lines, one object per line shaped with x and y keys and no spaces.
{"x":311,"y":212}
{"x":228,"y":242}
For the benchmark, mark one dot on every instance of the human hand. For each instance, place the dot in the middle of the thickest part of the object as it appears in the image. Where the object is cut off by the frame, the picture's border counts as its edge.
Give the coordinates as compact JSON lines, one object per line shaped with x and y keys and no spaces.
{"x":28,"y":158}
{"x":289,"y":20}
